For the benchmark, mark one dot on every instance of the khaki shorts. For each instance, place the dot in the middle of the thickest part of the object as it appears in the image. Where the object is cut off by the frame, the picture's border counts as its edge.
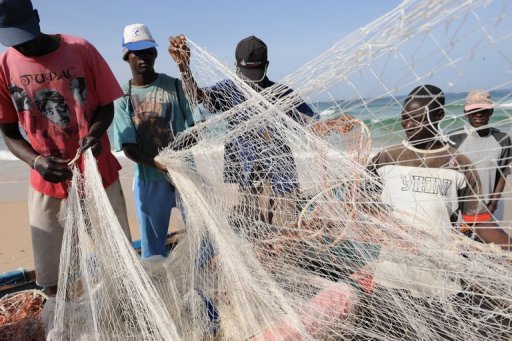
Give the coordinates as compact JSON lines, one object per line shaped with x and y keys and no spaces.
{"x":47,"y":227}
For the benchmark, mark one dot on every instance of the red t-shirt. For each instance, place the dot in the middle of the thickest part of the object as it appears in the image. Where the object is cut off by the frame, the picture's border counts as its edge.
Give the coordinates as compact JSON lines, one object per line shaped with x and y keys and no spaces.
{"x":54,"y":98}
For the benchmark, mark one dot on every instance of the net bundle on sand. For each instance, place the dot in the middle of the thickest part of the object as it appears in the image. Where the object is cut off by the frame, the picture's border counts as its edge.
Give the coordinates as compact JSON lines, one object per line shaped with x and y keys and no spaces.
{"x":20,"y":316}
{"x":287,"y":235}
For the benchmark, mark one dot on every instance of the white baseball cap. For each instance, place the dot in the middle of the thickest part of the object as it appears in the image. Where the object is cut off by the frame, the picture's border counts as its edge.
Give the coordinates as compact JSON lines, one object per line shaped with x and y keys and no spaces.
{"x":137,"y":37}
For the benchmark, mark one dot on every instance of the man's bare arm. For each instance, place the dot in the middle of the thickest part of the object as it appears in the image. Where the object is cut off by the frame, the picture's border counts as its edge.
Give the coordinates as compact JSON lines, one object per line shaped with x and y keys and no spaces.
{"x":496,"y":195}
{"x":490,"y":232}
{"x":180,"y":53}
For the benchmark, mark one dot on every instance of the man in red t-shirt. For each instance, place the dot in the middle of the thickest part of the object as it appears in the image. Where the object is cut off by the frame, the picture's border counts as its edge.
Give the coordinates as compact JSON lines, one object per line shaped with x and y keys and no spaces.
{"x":39,"y":76}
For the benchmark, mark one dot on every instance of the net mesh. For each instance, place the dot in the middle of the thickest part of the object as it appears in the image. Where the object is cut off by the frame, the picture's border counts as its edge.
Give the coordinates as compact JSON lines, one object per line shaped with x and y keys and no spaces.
{"x":104,"y":292}
{"x":289,"y":235}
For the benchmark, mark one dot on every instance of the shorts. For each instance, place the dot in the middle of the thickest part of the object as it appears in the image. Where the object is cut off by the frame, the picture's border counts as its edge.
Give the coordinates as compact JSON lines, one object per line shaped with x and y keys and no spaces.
{"x":46,"y":218}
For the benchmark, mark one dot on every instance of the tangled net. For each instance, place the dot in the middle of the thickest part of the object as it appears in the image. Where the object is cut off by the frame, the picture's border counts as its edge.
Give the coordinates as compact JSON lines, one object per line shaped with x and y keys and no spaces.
{"x":300,"y":245}
{"x":19,"y":316}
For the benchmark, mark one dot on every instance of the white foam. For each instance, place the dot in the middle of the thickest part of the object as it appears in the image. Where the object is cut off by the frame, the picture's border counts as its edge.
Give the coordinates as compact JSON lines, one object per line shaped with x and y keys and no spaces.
{"x":505,"y":105}
{"x":6,"y":155}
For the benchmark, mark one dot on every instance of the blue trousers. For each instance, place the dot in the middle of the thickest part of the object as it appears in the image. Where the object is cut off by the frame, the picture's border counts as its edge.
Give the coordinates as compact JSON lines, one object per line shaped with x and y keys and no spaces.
{"x":154,"y":202}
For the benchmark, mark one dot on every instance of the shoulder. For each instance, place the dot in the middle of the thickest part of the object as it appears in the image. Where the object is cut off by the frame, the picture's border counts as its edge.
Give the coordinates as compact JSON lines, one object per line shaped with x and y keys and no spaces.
{"x":126,"y":87}
{"x":226,"y":90}
{"x":166,"y":78}
{"x":461,"y":165}
{"x":389,"y":155}
{"x":458,"y":159}
{"x":458,"y":131}
{"x":5,"y":55}
{"x":4,"y":60}
{"x":10,"y":55}
{"x":224,"y":84}
{"x":80,"y":46}
{"x":502,"y":137}
{"x":169,"y":83}
{"x":71,"y":39}
{"x":279,"y":89}
{"x":74,"y":41}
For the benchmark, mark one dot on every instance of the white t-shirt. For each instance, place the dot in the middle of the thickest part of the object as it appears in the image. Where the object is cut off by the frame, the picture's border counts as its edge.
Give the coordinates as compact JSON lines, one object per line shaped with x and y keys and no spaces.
{"x":427,"y":187}
{"x":490,"y":155}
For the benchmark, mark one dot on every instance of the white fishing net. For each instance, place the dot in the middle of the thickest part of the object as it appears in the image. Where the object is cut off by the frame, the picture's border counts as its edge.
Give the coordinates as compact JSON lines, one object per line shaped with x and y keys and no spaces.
{"x":288,"y":235}
{"x":103,"y":292}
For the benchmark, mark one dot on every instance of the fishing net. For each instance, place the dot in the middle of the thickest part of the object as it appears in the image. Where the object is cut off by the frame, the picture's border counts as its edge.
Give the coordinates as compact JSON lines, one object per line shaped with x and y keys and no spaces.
{"x":20,"y":316}
{"x":290,"y":234}
{"x":103,"y":291}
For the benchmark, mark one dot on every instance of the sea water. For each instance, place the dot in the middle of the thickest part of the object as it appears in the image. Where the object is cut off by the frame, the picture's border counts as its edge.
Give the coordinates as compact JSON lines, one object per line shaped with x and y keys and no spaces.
{"x":382,"y":116}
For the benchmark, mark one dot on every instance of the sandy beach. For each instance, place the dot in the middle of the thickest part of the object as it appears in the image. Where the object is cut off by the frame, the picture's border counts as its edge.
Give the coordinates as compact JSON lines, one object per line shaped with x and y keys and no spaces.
{"x":15,"y":241}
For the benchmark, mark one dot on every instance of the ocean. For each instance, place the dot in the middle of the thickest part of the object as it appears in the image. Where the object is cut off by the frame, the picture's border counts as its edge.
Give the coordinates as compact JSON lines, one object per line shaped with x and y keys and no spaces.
{"x":382,"y":116}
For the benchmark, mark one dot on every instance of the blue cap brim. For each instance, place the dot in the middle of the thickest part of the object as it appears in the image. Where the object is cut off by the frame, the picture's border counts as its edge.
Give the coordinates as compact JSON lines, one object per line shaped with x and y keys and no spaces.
{"x":140,"y":45}
{"x":16,"y":35}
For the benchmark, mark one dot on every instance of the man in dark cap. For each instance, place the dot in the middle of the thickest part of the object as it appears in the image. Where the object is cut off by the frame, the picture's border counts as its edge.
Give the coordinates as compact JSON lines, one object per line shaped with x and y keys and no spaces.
{"x":252,"y":60}
{"x":40,"y":66}
{"x":261,"y":163}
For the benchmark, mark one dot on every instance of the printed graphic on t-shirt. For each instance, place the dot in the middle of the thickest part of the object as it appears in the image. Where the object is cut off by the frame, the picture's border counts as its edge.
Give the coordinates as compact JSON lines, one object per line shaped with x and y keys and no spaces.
{"x":425,"y":184}
{"x":152,"y":114}
{"x":78,"y":89}
{"x":49,"y":113}
{"x":21,"y":100}
{"x":53,"y":106}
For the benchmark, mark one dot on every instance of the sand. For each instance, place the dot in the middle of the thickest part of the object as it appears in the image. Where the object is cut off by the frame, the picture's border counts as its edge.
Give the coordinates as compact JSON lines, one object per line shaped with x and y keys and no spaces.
{"x":15,"y":241}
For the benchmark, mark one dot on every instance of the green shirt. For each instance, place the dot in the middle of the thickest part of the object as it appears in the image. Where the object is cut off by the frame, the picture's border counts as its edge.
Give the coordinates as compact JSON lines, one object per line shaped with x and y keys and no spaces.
{"x":158,"y":112}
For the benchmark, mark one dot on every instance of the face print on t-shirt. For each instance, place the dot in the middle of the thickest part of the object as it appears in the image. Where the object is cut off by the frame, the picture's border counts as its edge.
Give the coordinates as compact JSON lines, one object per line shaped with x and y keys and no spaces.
{"x":78,"y":89}
{"x":153,"y":119}
{"x":53,"y":106}
{"x":20,"y":98}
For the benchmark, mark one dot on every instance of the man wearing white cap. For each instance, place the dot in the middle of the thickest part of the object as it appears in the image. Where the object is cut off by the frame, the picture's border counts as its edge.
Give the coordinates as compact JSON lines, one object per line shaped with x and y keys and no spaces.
{"x":153,"y":110}
{"x":488,"y":148}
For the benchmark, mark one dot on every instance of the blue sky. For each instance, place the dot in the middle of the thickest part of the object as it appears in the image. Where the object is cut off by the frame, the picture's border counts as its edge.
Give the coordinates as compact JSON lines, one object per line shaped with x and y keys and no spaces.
{"x":295,"y":31}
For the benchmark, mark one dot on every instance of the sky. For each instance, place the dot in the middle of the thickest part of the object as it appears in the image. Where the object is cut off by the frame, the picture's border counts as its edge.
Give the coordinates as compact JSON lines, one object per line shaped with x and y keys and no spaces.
{"x":294,"y":31}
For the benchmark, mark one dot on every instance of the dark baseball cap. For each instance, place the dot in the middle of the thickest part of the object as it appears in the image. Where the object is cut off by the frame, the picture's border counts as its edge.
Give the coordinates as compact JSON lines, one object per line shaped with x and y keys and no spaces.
{"x":18,"y":22}
{"x":251,"y":57}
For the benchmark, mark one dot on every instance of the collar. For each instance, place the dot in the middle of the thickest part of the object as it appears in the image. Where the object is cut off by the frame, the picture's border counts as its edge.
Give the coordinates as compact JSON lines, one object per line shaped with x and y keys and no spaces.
{"x":409,"y":146}
{"x":470,"y":130}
